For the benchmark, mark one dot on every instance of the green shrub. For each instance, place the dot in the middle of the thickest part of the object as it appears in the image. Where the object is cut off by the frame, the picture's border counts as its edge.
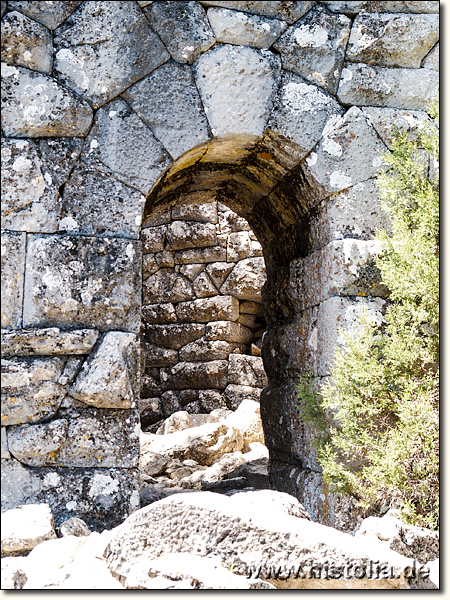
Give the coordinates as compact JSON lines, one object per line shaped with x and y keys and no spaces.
{"x":376,"y":422}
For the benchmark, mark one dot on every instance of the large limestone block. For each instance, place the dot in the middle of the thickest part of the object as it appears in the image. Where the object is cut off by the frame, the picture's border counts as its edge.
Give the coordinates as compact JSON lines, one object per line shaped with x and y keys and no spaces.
{"x":13,"y":270}
{"x":349,"y":152}
{"x":314,"y":47}
{"x":386,"y":120}
{"x":204,"y":350}
{"x":254,"y":541}
{"x":191,"y":256}
{"x":287,"y":11}
{"x":50,"y":14}
{"x":155,"y":356}
{"x":301,"y":111}
{"x":121,"y":145}
{"x":24,"y":527}
{"x":204,"y":212}
{"x":96,"y":204}
{"x":228,"y":331}
{"x":47,"y":342}
{"x":247,"y":418}
{"x":110,"y":495}
{"x":159,"y":313}
{"x":353,"y":7}
{"x":183,"y":27}
{"x":35,"y":105}
{"x":30,"y":389}
{"x":153,"y":238}
{"x":184,"y":234}
{"x":203,"y":286}
{"x":364,"y":85}
{"x":195,"y":375}
{"x":237,"y":85}
{"x":240,"y":246}
{"x":174,"y":335}
{"x":169,"y":103}
{"x":231,"y":27}
{"x":59,"y":156}
{"x":246,"y":370}
{"x":36,"y":445}
{"x":246,"y":279}
{"x":104,"y":48}
{"x":236,"y":394}
{"x":105,"y":380}
{"x":30,"y":200}
{"x":203,"y":310}
{"x":82,"y":282}
{"x":166,"y":285}
{"x":431,"y":61}
{"x":26,"y":43}
{"x":392,"y":40}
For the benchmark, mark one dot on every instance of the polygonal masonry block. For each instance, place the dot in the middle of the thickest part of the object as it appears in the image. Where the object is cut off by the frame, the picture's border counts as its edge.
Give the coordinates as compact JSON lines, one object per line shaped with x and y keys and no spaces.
{"x":431,"y":61}
{"x":237,"y":85}
{"x":205,"y":212}
{"x":159,"y":313}
{"x":353,"y":7}
{"x":246,"y":370}
{"x":13,"y":270}
{"x":167,"y":286}
{"x":104,"y":47}
{"x":204,"y":350}
{"x":204,"y":310}
{"x":181,"y":235}
{"x":246,"y":279}
{"x":174,"y":336}
{"x":50,"y":14}
{"x":386,"y":121}
{"x":47,"y":342}
{"x":195,"y":375}
{"x":82,"y":282}
{"x":287,"y":11}
{"x":35,"y":105}
{"x":26,"y":43}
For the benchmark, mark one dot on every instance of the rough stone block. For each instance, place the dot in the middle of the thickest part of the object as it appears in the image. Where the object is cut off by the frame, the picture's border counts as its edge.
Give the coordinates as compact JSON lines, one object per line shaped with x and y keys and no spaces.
{"x":431,"y":61}
{"x":201,"y":255}
{"x":230,"y":222}
{"x":59,"y":156}
{"x":251,"y":308}
{"x":204,"y":350}
{"x":106,"y":378}
{"x":218,"y":272}
{"x":246,"y":279}
{"x":392,"y":40}
{"x":190,"y":271}
{"x":24,"y":527}
{"x":239,"y":246}
{"x":231,"y":27}
{"x":167,"y":286}
{"x":196,"y":375}
{"x":237,"y":85}
{"x":236,"y":394}
{"x":150,"y":411}
{"x":150,"y":383}
{"x":364,"y":85}
{"x":13,"y":268}
{"x":228,"y":331}
{"x":26,"y":43}
{"x":206,"y":212}
{"x":155,"y":356}
{"x":301,"y":111}
{"x":315,"y":47}
{"x":120,"y":144}
{"x":183,"y":27}
{"x":153,"y":239}
{"x":353,"y":7}
{"x":174,"y":336}
{"x":4,"y":446}
{"x":217,"y":308}
{"x":211,"y":400}
{"x":204,"y":287}
{"x":159,"y":313}
{"x":386,"y":120}
{"x":35,"y":105}
{"x":47,"y":342}
{"x":181,"y":235}
{"x":96,"y":204}
{"x":287,"y":11}
{"x":336,"y":162}
{"x":82,"y":282}
{"x":50,"y":15}
{"x":169,"y":103}
{"x":104,"y":48}
{"x":246,"y":370}
{"x":30,"y":389}
{"x":110,"y":494}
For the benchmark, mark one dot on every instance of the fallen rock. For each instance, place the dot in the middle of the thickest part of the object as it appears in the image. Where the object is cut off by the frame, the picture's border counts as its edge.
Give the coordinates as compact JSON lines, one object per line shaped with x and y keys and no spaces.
{"x":74,"y":526}
{"x":148,"y":495}
{"x":25,"y":527}
{"x":247,"y":418}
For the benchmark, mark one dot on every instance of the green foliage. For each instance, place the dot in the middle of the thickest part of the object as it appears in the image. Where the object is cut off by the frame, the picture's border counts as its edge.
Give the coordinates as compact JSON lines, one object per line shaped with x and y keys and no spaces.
{"x":376,"y":422}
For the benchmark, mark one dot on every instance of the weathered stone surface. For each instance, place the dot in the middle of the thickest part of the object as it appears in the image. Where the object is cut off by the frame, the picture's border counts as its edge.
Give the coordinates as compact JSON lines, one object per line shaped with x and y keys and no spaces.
{"x":195,"y":375}
{"x":204,"y":287}
{"x":35,"y":105}
{"x":353,"y":213}
{"x":203,"y":350}
{"x":159,"y":313}
{"x":247,"y":419}
{"x":25,"y":527}
{"x":93,"y":439}
{"x":167,"y":286}
{"x":176,"y":422}
{"x":218,"y":272}
{"x":29,"y":199}
{"x":228,"y":331}
{"x":236,"y":394}
{"x":250,"y":531}
{"x":153,"y":238}
{"x":301,"y":111}
{"x":30,"y":389}
{"x":82,"y":282}
{"x":183,"y":27}
{"x":183,"y":234}
{"x":251,"y":308}
{"x":169,"y":103}
{"x":104,"y":48}
{"x":13,"y":573}
{"x":205,"y":212}
{"x":201,"y":255}
{"x":191,"y":271}
{"x":217,"y":308}
{"x":392,"y":40}
{"x":59,"y":156}
{"x":121,"y":145}
{"x":246,"y":279}
{"x":239,"y":246}
{"x":246,"y":370}
{"x":287,"y":11}
{"x":74,"y":526}
{"x":336,"y":163}
{"x":13,"y":267}
{"x":97,"y":204}
{"x":105,"y":380}
{"x":364,"y":85}
{"x":315,"y":46}
{"x":155,"y":356}
{"x":150,"y":410}
{"x":230,"y":222}
{"x":46,"y":342}
{"x":431,"y":61}
{"x":50,"y":14}
{"x":353,"y":7}
{"x":237,"y":85}
{"x":386,"y":120}
{"x":231,"y":27}
{"x":26,"y":43}
{"x":4,"y":446}
{"x":110,"y":494}
{"x":210,"y":401}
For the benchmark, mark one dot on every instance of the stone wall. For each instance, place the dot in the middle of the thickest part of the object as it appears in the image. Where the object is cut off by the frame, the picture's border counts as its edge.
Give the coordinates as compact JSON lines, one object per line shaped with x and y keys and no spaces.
{"x":202,"y":314}
{"x":116,"y":112}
